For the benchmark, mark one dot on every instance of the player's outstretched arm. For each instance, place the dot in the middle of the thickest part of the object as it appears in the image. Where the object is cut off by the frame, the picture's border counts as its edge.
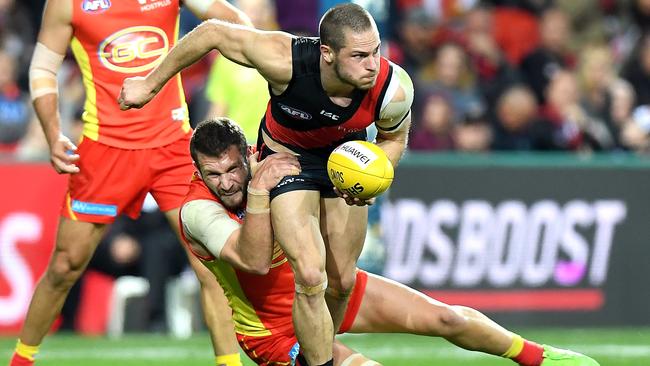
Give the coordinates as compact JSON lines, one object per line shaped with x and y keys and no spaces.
{"x":268,"y":52}
{"x":53,"y":39}
{"x":395,"y":116}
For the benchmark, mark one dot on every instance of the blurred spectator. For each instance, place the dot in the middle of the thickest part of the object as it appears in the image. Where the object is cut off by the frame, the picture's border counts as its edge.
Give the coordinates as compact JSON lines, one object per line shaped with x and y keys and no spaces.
{"x":637,"y":71}
{"x":473,"y":133}
{"x":415,"y":33}
{"x":552,"y":54}
{"x":15,"y":113}
{"x":630,"y":126}
{"x":586,"y":19}
{"x":636,"y":135}
{"x":516,"y":125}
{"x":435,"y":124}
{"x":573,"y":128}
{"x":597,"y":74}
{"x":450,"y":75}
{"x":493,"y":70}
{"x":238,"y":92}
{"x":17,"y":36}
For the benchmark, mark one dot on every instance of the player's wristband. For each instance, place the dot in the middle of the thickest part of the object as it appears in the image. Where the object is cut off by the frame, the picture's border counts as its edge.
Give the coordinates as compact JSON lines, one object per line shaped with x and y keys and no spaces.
{"x":258,"y":201}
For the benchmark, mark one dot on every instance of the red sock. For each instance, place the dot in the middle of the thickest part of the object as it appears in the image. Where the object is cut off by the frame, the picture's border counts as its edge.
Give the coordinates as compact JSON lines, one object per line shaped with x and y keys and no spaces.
{"x":18,"y":360}
{"x":531,"y":355}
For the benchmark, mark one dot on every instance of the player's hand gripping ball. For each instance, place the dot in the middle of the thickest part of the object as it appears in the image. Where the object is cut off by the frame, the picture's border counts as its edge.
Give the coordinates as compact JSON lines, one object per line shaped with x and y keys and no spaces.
{"x":360,"y":169}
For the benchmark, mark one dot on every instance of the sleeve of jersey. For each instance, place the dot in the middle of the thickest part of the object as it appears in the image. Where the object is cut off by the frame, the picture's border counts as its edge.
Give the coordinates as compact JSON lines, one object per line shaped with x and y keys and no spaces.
{"x":396,"y":106}
{"x":208,"y":223}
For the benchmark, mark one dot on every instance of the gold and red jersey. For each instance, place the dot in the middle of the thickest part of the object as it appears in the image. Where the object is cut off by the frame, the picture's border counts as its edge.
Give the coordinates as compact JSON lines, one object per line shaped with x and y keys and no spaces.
{"x":261,"y":303}
{"x":116,"y":39}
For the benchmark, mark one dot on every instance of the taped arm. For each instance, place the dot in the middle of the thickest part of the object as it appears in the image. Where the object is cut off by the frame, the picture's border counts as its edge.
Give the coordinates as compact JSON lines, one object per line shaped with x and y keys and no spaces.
{"x":53,"y":40}
{"x":248,"y":246}
{"x":395,"y":115}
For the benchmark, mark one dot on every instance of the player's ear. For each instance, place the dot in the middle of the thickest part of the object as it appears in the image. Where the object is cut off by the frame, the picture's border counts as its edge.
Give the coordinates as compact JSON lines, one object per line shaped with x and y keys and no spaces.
{"x":198,"y":171}
{"x":327,"y":53}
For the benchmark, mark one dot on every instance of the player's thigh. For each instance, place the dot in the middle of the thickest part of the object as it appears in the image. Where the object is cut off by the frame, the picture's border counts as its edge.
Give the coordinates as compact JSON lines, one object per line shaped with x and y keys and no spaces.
{"x":295,"y":217}
{"x":390,"y":307}
{"x":171,"y":172}
{"x":344,"y":230}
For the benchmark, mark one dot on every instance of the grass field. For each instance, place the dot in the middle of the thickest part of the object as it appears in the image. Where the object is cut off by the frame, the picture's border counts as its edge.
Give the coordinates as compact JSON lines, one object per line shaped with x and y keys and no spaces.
{"x":611,"y":347}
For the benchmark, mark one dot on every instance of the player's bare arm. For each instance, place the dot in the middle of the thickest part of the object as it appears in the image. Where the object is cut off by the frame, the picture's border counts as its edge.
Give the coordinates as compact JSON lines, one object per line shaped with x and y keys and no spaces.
{"x":268,"y":52}
{"x":395,"y":116}
{"x":217,"y":9}
{"x":53,"y":40}
{"x":249,"y":247}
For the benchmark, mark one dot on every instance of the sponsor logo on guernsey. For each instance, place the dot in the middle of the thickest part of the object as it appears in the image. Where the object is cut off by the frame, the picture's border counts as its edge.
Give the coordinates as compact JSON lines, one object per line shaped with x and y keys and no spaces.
{"x":360,"y":155}
{"x":293,"y":353}
{"x":95,"y":6}
{"x":330,"y":115}
{"x":90,"y":208}
{"x":148,"y":5}
{"x":134,"y":49}
{"x":179,"y":114}
{"x":295,"y":113}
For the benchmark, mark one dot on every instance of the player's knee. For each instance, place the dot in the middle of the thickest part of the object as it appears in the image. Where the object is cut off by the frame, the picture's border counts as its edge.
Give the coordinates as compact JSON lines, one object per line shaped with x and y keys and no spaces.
{"x":65,"y":269}
{"x":310,"y":277}
{"x":454,"y":320}
{"x":310,"y":282}
{"x":341,"y":286}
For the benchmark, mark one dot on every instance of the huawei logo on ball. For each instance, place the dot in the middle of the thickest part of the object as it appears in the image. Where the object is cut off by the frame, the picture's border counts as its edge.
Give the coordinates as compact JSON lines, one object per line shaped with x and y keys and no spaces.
{"x":134,"y":50}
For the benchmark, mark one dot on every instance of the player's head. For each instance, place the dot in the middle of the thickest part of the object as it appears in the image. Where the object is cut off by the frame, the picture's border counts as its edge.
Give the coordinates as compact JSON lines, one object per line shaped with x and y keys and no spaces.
{"x":218,"y":148}
{"x":350,"y":44}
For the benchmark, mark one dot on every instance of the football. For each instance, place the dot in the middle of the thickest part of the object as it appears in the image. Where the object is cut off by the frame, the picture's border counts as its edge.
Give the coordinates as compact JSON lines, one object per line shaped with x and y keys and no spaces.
{"x":360,"y":168}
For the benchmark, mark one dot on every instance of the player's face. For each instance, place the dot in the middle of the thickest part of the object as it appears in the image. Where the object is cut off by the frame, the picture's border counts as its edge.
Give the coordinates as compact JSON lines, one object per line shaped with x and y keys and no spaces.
{"x":226,"y":176}
{"x":357,"y":63}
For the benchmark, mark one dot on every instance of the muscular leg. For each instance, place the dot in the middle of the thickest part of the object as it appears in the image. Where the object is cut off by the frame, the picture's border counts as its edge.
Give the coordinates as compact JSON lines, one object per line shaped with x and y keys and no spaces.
{"x":390,"y":307}
{"x":75,"y":244}
{"x":217,"y":313}
{"x":344,"y":230}
{"x":295,"y":217}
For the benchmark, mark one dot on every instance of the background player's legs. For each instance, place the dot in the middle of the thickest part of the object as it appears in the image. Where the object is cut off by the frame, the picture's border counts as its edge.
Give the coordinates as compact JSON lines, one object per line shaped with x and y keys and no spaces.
{"x":390,"y":307}
{"x":295,"y":217}
{"x":217,"y":313}
{"x":344,"y":230}
{"x":75,"y":244}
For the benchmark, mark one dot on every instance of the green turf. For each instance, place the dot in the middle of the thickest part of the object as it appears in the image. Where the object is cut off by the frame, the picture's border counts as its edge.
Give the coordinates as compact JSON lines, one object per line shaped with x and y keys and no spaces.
{"x":611,"y":347}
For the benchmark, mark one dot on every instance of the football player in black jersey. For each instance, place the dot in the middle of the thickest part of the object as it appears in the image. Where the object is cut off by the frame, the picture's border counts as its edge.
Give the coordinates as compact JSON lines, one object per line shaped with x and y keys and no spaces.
{"x":324,"y":91}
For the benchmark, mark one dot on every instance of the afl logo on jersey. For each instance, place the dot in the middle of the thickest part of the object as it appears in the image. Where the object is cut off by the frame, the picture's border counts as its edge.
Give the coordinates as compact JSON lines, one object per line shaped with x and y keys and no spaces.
{"x":134,"y":50}
{"x":295,"y":113}
{"x":95,"y":6}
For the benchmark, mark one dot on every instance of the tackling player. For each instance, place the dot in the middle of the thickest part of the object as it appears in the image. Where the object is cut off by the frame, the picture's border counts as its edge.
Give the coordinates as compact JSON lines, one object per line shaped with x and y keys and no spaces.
{"x":222,"y":221}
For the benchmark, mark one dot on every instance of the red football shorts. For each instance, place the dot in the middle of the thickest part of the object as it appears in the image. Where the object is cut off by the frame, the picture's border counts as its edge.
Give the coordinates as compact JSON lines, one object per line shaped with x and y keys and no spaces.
{"x":281,"y":349}
{"x":113,"y":181}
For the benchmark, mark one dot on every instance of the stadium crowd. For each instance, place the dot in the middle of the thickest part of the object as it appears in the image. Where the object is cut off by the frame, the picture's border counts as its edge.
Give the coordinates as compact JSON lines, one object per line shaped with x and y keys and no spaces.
{"x":491,"y":75}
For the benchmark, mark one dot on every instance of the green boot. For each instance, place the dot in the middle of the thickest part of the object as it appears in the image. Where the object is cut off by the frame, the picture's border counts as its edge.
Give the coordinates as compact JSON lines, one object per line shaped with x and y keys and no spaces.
{"x":562,"y":357}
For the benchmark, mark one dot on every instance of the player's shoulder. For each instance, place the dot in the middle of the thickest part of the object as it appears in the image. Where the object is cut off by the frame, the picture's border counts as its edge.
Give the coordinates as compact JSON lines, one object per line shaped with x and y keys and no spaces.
{"x":401,"y":77}
{"x":193,"y":210}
